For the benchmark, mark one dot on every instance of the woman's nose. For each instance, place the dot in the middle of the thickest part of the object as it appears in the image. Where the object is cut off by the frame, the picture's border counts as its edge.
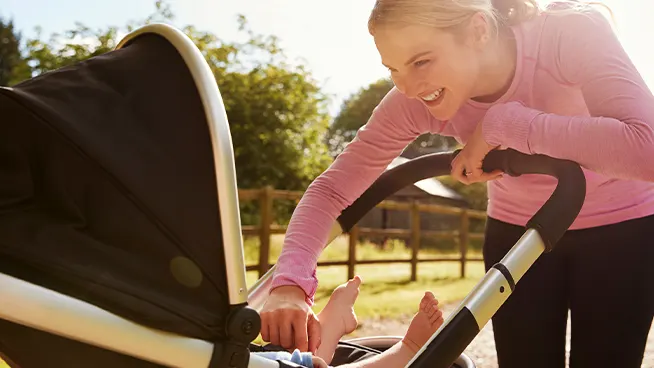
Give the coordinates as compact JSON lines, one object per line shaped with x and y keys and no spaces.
{"x":407,"y":86}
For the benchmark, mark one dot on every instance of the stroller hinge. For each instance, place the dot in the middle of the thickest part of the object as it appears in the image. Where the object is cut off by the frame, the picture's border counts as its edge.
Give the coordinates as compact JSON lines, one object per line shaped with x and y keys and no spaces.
{"x":243,"y":326}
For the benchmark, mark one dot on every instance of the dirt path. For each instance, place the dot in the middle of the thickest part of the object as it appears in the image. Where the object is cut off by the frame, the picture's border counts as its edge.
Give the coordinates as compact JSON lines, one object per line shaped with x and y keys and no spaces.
{"x":481,"y":350}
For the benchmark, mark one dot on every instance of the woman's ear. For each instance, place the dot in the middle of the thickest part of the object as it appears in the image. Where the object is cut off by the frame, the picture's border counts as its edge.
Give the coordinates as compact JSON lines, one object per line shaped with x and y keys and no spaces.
{"x":478,"y":30}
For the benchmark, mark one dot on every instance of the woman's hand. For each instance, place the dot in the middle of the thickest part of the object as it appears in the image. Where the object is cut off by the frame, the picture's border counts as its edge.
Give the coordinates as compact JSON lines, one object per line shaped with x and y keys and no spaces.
{"x":288,"y":321}
{"x":467,"y":165}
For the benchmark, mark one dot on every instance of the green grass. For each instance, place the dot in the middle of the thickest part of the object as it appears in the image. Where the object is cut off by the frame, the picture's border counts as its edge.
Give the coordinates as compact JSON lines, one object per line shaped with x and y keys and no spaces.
{"x":387,"y":290}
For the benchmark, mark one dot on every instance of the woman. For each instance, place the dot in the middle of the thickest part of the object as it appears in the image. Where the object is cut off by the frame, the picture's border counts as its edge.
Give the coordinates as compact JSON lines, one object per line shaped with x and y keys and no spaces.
{"x":505,"y":74}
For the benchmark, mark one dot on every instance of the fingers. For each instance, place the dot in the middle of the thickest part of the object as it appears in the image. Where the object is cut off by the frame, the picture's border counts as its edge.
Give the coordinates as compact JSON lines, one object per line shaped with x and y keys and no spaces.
{"x":286,"y":334}
{"x":286,"y":328}
{"x":265,"y":334}
{"x":465,"y":170}
{"x":300,"y":335}
{"x":484,"y":176}
{"x":274,"y":333}
{"x":284,"y":318}
{"x":469,"y":172}
{"x":458,"y":169}
{"x":314,"y":330}
{"x":267,"y":328}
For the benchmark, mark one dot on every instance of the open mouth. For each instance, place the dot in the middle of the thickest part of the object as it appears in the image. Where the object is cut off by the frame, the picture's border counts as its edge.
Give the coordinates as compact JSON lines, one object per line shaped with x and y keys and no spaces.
{"x":433,"y":98}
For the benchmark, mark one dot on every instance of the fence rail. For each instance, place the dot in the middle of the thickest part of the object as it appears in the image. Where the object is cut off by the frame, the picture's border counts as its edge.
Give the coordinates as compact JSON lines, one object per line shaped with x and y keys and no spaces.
{"x":266,"y":228}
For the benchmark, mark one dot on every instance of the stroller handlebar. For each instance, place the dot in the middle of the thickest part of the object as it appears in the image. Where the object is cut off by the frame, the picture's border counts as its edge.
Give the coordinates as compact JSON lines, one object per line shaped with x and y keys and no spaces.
{"x":561,"y":209}
{"x":551,"y":221}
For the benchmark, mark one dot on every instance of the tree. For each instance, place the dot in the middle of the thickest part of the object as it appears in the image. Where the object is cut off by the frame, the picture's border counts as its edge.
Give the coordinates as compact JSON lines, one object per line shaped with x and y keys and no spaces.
{"x":277,"y":113}
{"x":357,"y":109}
{"x":13,"y":67}
{"x":355,"y":112}
{"x":82,"y":42}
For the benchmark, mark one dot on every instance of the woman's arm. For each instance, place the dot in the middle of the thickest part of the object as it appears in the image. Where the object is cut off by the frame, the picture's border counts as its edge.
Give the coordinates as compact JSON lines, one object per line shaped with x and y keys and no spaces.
{"x":393,"y":125}
{"x":618,"y":139}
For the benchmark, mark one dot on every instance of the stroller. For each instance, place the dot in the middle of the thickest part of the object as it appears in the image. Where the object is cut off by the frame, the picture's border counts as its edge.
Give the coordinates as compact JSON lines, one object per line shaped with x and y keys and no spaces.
{"x":120,"y":234}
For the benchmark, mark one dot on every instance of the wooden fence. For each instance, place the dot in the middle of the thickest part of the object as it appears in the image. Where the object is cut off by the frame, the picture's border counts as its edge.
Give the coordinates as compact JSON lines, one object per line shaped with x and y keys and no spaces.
{"x":266,"y":229}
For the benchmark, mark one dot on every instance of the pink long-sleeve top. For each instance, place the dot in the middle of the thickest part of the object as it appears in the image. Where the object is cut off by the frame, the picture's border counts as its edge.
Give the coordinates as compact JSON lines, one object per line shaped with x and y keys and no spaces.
{"x":575,"y":95}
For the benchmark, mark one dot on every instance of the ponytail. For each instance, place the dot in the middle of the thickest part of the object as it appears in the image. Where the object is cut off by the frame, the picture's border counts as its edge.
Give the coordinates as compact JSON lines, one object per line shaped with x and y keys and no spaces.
{"x":511,"y":12}
{"x":447,"y":14}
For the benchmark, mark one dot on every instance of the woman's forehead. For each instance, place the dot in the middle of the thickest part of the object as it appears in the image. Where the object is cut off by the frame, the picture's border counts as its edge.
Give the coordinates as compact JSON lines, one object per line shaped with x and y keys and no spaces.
{"x":398,"y":46}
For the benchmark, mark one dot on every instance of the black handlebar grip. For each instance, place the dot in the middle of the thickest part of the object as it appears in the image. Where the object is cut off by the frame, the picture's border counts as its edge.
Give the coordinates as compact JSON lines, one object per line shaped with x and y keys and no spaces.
{"x":389,"y":182}
{"x":551,"y":221}
{"x":562,"y":208}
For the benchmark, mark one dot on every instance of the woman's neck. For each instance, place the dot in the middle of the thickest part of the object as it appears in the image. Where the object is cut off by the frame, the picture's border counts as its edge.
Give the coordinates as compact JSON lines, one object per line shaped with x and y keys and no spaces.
{"x":497,"y":68}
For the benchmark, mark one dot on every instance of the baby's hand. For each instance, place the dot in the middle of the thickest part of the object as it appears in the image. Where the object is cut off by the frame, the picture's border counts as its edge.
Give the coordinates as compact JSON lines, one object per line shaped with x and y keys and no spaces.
{"x":318,"y":362}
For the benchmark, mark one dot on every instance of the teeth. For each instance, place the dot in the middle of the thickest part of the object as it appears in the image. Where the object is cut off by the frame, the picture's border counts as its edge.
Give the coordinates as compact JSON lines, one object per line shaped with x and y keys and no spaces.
{"x":433,"y":96}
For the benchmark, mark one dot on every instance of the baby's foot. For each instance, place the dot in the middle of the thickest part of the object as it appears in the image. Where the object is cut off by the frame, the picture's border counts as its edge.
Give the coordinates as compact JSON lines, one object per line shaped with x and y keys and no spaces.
{"x":423,"y":325}
{"x":340,"y":307}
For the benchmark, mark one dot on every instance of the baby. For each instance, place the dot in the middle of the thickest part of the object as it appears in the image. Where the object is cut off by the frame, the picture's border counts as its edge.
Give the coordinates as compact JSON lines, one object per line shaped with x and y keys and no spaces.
{"x":338,"y":319}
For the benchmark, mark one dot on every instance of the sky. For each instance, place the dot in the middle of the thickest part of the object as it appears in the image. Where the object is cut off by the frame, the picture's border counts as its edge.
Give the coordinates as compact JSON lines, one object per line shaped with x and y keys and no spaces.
{"x":338,"y":50}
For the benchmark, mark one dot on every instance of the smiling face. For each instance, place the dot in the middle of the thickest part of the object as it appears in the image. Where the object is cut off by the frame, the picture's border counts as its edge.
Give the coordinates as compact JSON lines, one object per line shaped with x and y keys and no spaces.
{"x":437,"y":67}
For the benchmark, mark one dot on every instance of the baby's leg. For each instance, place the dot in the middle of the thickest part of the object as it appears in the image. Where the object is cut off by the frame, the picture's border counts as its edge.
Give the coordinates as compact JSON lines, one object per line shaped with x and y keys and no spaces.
{"x":423,"y":325}
{"x":338,"y":318}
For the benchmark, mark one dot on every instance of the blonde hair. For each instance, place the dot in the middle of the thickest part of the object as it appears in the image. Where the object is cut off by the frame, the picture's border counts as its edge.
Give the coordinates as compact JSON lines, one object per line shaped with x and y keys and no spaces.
{"x":450,"y":14}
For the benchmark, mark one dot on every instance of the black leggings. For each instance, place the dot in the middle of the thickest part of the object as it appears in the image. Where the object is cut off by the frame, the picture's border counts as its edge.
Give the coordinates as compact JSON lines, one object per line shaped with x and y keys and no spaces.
{"x":603,"y":275}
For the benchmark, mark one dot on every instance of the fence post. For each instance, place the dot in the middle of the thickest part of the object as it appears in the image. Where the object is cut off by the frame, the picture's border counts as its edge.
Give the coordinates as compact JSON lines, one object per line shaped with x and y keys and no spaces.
{"x":463,"y":240}
{"x":352,"y":254}
{"x":266,"y":209}
{"x":415,"y":239}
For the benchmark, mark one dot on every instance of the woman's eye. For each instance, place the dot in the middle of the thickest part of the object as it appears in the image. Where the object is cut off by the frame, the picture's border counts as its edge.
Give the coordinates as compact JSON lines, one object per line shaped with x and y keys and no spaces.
{"x":421,"y":63}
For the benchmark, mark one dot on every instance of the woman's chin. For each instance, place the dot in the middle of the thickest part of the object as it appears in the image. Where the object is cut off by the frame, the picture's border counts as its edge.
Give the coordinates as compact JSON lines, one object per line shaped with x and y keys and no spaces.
{"x":442,"y":112}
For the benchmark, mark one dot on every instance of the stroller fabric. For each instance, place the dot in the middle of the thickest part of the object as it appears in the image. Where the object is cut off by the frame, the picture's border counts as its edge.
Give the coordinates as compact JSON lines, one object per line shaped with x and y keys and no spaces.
{"x":108,"y":192}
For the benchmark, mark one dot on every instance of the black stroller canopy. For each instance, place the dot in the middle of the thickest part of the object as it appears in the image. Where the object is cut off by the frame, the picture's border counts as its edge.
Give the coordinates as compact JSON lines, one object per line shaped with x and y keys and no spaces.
{"x":109,"y":189}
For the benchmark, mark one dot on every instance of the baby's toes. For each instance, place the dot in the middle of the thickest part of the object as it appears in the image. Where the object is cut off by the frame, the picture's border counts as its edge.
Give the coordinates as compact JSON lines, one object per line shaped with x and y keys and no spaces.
{"x":431,"y":310}
{"x":436,"y":315}
{"x":427,"y":301}
{"x":439,"y":322}
{"x":424,"y":303}
{"x":354,"y":283}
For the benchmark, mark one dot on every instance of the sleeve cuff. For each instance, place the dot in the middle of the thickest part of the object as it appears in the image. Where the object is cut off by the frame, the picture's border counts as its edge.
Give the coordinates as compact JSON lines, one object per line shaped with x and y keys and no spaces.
{"x":308,"y":284}
{"x":508,"y":125}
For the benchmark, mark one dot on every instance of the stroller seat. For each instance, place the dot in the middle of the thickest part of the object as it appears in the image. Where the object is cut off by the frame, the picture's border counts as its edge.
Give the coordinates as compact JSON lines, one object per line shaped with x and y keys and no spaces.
{"x":120,"y":234}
